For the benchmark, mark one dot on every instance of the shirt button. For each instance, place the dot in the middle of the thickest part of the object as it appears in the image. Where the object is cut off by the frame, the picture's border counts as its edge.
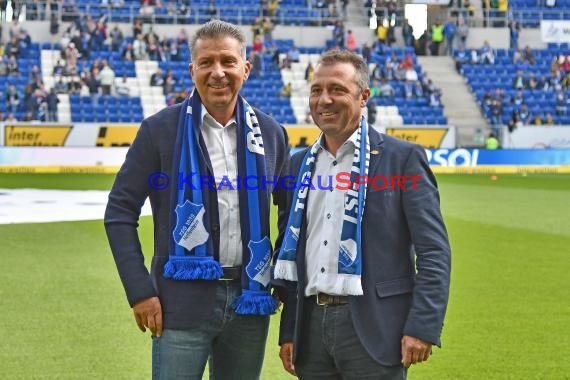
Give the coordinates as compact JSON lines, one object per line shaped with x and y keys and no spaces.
{"x":334,"y":163}
{"x":331,"y":189}
{"x":322,"y":270}
{"x":329,"y":215}
{"x":325,"y":242}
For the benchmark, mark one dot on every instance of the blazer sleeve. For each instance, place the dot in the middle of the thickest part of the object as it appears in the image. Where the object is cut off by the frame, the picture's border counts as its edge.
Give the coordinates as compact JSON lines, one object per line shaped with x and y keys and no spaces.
{"x":432,"y":250}
{"x":126,"y":199}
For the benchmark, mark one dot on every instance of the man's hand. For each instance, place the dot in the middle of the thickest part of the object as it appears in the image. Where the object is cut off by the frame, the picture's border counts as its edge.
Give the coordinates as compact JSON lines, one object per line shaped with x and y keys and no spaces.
{"x":414,"y":350}
{"x":148,"y":313}
{"x":286,"y":355}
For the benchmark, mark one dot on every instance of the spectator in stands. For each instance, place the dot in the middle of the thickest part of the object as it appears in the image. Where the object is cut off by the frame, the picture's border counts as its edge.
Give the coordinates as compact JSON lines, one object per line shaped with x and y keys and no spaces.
{"x":518,"y":100}
{"x":338,"y":33}
{"x":548,"y":119}
{"x":521,"y":64}
{"x":474,"y":58}
{"x":60,"y":86}
{"x":520,"y":118}
{"x":408,"y":89}
{"x":435,"y":98}
{"x":154,"y":50}
{"x":129,"y":53}
{"x":387,"y":71}
{"x":107,"y":78}
{"x":386,"y":90}
{"x":116,"y":38}
{"x":514,"y":32}
{"x":561,"y":103}
{"x":272,"y":7}
{"x":137,"y":27}
{"x":543,"y":83}
{"x":351,"y":41}
{"x":2,"y":116}
{"x":52,"y":101}
{"x":256,"y":64}
{"x":122,"y":87}
{"x":461,"y":58}
{"x":71,"y":56}
{"x":3,"y":66}
{"x":257,"y":28}
{"x":382,"y":32}
{"x":374,"y":89}
{"x":487,"y":53}
{"x":53,"y":24}
{"x":533,"y":84}
{"x":309,"y":72}
{"x":407,"y":34}
{"x":519,"y":81}
{"x":13,"y":67}
{"x":286,"y":90}
{"x":28,"y":116}
{"x":462,"y":33}
{"x":156,"y":79}
{"x":212,"y":11}
{"x":140,"y":48}
{"x":12,"y":99}
{"x":566,"y":81}
{"x":93,"y":84}
{"x":293,"y":54}
{"x":528,"y":55}
{"x":366,"y":52}
{"x":491,"y":142}
{"x":194,"y":328}
{"x":258,"y":44}
{"x":418,"y":89}
{"x":11,"y":118}
{"x":268,"y":27}
{"x":449,"y":30}
{"x":496,"y":113}
{"x":437,"y":37}
{"x":169,"y":83}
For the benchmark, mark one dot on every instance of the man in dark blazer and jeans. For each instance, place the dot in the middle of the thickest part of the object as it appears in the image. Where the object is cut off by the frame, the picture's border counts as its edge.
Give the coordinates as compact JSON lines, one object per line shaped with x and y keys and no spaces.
{"x":373,"y":319}
{"x":193,"y":320}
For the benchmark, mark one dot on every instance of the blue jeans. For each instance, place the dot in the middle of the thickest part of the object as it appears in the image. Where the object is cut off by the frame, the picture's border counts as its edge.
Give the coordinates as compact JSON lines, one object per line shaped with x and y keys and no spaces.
{"x":331,"y":350}
{"x":234,"y":344}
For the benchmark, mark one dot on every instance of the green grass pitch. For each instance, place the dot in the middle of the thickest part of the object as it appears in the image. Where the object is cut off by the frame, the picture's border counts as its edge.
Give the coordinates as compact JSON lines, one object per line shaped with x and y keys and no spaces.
{"x":64,"y":314}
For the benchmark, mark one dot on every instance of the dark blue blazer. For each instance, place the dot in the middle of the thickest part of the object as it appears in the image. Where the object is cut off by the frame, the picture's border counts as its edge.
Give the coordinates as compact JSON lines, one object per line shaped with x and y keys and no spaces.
{"x":405,"y":257}
{"x":185,"y":304}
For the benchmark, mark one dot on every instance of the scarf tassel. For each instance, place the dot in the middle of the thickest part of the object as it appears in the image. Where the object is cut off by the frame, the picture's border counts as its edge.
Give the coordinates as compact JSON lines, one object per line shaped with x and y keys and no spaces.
{"x":256,"y":302}
{"x":192,"y":268}
{"x":286,"y":270}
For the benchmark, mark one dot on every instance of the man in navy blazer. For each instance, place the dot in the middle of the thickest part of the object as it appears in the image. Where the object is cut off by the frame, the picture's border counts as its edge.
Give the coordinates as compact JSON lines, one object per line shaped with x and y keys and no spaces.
{"x":193,"y":320}
{"x":405,"y":249}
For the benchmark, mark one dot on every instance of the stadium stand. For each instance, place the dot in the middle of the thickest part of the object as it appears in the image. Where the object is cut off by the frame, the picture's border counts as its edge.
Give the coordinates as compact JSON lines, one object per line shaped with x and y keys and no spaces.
{"x":491,"y":82}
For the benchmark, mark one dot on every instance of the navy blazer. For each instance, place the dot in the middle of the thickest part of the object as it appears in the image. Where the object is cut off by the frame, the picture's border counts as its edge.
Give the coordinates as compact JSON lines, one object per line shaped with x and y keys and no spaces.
{"x":185,"y":304}
{"x":405,"y":257}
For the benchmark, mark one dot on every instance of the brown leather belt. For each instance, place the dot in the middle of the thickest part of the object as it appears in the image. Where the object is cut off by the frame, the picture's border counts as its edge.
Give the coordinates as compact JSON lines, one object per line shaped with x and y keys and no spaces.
{"x":324,"y":299}
{"x":231,"y":273}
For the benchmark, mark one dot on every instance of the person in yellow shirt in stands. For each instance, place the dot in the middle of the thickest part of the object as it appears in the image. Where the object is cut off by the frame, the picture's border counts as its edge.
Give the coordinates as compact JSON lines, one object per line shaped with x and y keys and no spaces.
{"x":492,"y":142}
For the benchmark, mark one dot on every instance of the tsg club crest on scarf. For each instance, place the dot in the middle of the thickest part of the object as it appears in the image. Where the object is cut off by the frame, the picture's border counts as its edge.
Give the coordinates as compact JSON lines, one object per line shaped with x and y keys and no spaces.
{"x":190,"y":231}
{"x":258,"y":267}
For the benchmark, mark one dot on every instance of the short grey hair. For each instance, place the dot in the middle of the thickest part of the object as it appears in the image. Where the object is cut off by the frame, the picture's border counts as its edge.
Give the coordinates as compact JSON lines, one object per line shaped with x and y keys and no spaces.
{"x":335,"y":56}
{"x":218,"y":29}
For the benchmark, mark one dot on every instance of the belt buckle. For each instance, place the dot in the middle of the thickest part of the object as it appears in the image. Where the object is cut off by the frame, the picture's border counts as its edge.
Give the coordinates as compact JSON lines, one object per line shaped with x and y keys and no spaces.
{"x":317,"y":299}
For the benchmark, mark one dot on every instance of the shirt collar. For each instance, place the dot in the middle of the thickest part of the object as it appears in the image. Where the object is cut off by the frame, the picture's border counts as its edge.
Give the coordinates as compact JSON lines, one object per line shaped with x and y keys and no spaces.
{"x":209,"y":120}
{"x":350,"y":141}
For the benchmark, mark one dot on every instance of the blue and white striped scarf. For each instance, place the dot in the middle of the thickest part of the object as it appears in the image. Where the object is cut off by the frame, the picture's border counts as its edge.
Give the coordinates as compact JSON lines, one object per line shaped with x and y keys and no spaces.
{"x":350,"y":250}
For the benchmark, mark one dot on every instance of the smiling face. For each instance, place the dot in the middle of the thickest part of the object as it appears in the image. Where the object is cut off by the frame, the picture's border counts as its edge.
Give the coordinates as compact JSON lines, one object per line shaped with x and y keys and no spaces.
{"x":218,"y":70}
{"x":336,"y":102}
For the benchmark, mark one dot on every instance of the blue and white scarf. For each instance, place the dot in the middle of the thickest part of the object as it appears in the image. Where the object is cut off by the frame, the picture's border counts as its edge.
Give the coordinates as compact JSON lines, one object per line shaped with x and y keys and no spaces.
{"x":192,"y":245}
{"x":350,"y":250}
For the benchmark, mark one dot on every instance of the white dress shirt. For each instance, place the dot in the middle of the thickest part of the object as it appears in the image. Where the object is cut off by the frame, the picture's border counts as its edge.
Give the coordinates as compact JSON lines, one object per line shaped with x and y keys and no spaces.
{"x":221,"y":142}
{"x":325,"y":210}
